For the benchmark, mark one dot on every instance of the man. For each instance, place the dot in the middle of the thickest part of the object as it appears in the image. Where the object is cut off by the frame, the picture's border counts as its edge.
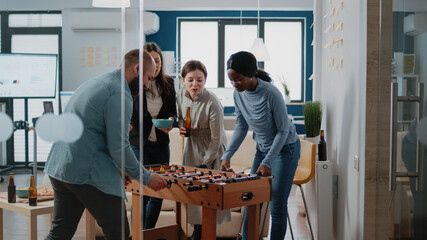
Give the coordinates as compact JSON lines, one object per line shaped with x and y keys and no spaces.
{"x":85,"y":174}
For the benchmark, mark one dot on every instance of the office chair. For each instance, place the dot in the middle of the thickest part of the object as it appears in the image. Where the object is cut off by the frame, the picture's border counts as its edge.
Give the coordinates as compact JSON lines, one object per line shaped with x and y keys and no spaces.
{"x":303,"y":174}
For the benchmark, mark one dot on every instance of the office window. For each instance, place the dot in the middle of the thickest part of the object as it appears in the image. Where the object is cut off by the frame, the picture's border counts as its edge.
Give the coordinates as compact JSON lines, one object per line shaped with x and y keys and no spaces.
{"x":237,"y":38}
{"x":285,"y":43}
{"x":35,"y":20}
{"x":199,"y":41}
{"x":37,"y":43}
{"x":35,"y":32}
{"x":216,"y":39}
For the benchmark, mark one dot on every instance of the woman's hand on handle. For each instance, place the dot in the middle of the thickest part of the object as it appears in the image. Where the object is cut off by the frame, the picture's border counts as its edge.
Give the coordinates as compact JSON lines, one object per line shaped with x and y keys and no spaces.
{"x":264,"y":171}
{"x":225,"y":164}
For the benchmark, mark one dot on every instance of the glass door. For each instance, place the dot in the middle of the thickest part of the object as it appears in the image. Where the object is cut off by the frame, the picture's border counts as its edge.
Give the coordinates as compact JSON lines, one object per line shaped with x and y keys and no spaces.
{"x":408,"y":157}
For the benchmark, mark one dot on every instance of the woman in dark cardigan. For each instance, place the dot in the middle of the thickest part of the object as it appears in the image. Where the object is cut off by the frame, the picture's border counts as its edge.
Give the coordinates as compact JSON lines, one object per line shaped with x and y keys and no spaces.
{"x":159,"y":103}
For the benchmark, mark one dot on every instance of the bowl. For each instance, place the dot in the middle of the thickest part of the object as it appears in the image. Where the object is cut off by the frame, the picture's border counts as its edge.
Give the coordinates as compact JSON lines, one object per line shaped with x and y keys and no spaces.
{"x":22,"y":192}
{"x":162,"y":123}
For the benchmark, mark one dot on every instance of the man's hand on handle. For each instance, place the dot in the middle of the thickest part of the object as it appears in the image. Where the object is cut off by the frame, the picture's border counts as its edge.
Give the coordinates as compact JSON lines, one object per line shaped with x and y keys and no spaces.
{"x":157,"y":182}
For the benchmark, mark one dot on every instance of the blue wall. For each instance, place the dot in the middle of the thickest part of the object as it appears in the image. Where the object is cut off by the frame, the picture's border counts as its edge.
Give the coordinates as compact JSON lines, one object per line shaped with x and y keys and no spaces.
{"x":166,"y":38}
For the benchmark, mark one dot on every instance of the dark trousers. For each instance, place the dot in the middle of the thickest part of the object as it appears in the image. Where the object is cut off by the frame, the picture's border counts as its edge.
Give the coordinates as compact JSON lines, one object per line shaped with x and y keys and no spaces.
{"x":154,"y":153}
{"x":70,"y":202}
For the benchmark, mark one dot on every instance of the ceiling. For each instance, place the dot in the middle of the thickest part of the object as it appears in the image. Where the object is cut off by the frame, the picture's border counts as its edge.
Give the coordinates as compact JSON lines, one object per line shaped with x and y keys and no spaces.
{"x":226,"y":4}
{"x":164,"y":4}
{"x":398,"y":5}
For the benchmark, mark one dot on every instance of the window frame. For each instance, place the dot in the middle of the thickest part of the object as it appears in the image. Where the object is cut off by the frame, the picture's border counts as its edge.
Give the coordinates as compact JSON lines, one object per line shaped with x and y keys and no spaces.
{"x":6,"y":47}
{"x":261,"y":28}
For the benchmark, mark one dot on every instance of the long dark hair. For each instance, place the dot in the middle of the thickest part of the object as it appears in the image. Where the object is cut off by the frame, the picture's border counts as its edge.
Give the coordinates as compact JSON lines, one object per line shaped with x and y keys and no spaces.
{"x":245,"y":63}
{"x":164,"y":81}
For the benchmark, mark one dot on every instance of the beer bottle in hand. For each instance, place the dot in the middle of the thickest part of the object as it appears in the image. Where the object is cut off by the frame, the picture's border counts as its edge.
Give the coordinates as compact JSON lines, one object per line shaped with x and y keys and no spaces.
{"x":187,"y":123}
{"x":32,"y":193}
{"x":11,"y":190}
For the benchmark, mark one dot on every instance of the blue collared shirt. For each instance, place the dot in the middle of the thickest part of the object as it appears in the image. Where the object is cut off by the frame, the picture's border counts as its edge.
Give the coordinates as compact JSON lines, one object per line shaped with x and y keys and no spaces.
{"x":96,"y":157}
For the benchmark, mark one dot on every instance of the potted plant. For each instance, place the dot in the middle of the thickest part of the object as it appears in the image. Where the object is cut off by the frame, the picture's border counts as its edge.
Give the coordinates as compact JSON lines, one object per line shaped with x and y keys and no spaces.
{"x":287,"y":96}
{"x":281,"y":78}
{"x":312,"y":119}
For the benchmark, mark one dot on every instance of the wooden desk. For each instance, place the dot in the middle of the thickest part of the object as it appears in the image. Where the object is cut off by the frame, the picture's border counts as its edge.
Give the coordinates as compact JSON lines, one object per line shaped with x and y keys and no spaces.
{"x":32,"y":212}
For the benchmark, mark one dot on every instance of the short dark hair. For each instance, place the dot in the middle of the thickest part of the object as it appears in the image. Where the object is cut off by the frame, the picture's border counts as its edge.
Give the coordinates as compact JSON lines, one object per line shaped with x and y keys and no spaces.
{"x":193,"y":65}
{"x":245,"y":63}
{"x":132,"y":57}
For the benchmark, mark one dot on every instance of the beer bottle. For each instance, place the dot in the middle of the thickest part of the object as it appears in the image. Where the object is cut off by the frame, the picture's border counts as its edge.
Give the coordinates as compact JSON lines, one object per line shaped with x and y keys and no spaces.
{"x":32,"y":193}
{"x":322,"y":147}
{"x":187,"y":123}
{"x":11,"y":190}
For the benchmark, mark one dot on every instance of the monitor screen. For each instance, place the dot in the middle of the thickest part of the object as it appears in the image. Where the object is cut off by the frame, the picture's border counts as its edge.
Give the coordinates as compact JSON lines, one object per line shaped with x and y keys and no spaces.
{"x":28,"y":75}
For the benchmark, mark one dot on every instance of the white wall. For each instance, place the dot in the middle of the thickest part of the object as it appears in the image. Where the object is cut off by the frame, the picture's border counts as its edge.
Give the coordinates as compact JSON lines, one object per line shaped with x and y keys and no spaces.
{"x":72,"y":73}
{"x":342,"y":93}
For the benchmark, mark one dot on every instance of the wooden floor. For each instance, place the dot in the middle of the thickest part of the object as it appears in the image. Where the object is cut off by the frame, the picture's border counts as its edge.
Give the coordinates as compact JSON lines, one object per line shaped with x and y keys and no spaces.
{"x":15,"y":225}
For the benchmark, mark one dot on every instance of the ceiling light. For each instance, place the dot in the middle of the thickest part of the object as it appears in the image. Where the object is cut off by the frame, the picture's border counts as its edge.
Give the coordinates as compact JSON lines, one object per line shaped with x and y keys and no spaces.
{"x":111,"y":3}
{"x":258,"y":49}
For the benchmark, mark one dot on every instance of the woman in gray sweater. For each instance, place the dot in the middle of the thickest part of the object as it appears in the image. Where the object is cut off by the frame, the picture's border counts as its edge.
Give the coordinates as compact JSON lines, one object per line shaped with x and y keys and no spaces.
{"x":207,"y":141}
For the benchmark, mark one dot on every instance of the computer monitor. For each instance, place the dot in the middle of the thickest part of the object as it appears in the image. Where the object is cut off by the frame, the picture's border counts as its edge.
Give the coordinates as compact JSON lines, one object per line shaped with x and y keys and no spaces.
{"x":28,"y":75}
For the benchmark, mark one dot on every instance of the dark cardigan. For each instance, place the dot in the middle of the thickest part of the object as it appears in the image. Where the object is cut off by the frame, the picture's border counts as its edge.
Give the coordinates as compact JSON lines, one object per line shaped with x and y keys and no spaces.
{"x":167,"y":110}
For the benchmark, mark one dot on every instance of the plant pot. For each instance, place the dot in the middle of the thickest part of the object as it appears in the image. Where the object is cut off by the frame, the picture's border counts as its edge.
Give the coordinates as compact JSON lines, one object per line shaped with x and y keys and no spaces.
{"x":314,"y":140}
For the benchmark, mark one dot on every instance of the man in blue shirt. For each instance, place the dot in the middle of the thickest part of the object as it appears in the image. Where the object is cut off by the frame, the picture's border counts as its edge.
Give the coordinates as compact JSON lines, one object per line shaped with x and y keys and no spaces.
{"x":85,"y":173}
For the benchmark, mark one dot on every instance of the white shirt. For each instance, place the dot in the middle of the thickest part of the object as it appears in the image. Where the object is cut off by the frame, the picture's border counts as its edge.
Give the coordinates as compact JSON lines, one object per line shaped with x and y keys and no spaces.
{"x":154,"y":104}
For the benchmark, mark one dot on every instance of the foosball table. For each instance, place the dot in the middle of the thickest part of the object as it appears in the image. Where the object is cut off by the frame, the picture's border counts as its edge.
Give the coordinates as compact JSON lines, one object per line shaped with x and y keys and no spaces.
{"x":212,"y":189}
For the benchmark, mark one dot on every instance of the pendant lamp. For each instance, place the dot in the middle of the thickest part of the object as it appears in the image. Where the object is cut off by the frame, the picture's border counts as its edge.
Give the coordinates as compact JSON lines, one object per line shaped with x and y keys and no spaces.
{"x":258,"y":48}
{"x":111,"y":3}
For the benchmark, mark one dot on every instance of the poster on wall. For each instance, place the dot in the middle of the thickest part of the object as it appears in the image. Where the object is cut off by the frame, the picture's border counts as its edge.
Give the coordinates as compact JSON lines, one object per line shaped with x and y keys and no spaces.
{"x":95,"y":56}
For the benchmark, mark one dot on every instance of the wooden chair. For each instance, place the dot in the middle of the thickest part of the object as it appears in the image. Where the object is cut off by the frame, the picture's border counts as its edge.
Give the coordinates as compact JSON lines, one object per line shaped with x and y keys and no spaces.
{"x":304,"y":173}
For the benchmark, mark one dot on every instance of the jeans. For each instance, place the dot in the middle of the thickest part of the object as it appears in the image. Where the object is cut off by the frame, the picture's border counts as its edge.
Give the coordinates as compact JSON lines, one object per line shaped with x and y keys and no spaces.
{"x":72,"y":199}
{"x":154,"y":153}
{"x":283,"y":170}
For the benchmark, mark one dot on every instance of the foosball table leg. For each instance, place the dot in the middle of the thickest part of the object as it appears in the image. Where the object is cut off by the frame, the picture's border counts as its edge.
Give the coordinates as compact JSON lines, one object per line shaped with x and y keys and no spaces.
{"x":182,"y":219}
{"x":253,"y":222}
{"x":209,"y":224}
{"x":136,"y":217}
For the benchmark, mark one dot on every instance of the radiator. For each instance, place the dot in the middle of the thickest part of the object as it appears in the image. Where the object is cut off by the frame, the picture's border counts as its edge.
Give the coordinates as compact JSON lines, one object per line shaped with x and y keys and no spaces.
{"x":320,"y":201}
